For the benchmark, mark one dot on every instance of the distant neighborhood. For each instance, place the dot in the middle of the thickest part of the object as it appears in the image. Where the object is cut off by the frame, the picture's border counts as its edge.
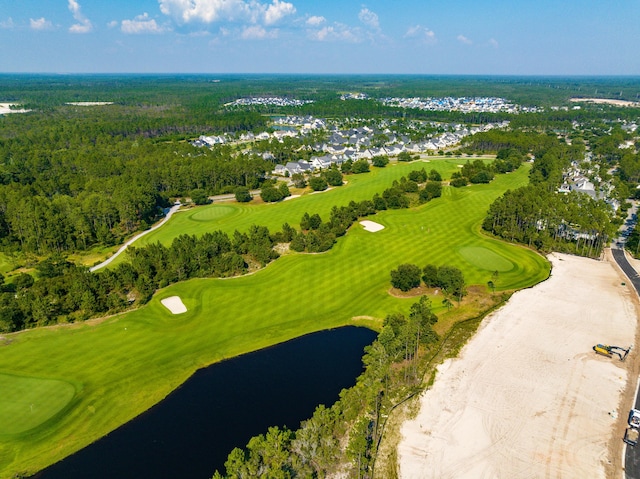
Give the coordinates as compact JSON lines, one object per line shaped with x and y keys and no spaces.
{"x":337,"y":143}
{"x":343,"y":144}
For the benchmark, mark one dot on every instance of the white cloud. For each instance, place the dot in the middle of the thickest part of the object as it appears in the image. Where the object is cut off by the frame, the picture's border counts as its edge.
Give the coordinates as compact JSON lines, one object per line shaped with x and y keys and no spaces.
{"x":369,"y":18}
{"x":141,"y":24}
{"x":463,"y":39}
{"x":113,"y":23}
{"x":421,"y":33}
{"x":315,"y":21}
{"x":278,"y":10}
{"x":336,"y":32}
{"x":40,"y":24}
{"x":7,"y":24}
{"x":210,"y":11}
{"x":256,"y":32}
{"x":494,"y":43}
{"x":84,"y":24}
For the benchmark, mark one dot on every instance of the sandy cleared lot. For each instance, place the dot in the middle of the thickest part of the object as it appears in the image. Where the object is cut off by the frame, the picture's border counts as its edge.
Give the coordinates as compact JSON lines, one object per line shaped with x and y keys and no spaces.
{"x":371,"y":226}
{"x":174,"y":304}
{"x":90,"y":103}
{"x":527,"y":397}
{"x":6,"y":108}
{"x":605,"y":101}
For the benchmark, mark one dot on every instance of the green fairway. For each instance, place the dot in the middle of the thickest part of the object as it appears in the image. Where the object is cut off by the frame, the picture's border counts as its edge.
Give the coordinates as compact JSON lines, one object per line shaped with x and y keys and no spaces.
{"x":125,"y":364}
{"x":230,"y":216}
{"x":26,"y":403}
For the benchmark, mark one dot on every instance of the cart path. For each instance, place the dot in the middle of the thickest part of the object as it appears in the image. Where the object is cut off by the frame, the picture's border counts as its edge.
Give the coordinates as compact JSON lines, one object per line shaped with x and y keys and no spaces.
{"x":171,"y":211}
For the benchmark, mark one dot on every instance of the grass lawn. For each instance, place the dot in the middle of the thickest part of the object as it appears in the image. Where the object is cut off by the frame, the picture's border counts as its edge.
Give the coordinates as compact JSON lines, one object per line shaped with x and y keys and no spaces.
{"x":123,"y":365}
{"x":27,"y":403}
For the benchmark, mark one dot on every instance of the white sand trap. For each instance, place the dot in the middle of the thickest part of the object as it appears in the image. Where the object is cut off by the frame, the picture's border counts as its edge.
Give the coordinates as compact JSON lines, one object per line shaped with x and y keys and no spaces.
{"x":371,"y":226}
{"x":174,"y":304}
{"x":291,"y":197}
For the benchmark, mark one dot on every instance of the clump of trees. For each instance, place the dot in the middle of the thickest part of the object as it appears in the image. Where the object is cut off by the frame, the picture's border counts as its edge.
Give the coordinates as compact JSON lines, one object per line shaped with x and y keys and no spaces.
{"x":273,"y":193}
{"x":473,"y":172}
{"x":448,"y":278}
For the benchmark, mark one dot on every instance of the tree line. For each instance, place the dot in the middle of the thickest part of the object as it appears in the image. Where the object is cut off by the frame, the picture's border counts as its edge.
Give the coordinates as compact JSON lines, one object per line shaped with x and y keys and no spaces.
{"x":65,"y":292}
{"x":539,"y":217}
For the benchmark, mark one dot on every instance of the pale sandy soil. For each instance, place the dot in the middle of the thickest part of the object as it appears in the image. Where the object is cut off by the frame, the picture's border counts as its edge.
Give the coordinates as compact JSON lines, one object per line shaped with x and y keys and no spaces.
{"x":5,"y":108}
{"x":90,"y":103}
{"x":605,"y":101}
{"x":371,"y":226}
{"x":527,"y":397}
{"x":291,"y":197}
{"x":174,"y":304}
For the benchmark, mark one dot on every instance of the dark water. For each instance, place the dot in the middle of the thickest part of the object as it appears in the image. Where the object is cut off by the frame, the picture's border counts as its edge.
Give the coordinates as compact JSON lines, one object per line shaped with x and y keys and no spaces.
{"x":191,"y":432}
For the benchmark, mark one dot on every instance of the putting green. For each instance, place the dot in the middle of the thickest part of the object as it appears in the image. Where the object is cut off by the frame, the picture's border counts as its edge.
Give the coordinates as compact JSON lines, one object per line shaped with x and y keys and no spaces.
{"x":26,"y":403}
{"x":212,"y":213}
{"x":484,"y":258}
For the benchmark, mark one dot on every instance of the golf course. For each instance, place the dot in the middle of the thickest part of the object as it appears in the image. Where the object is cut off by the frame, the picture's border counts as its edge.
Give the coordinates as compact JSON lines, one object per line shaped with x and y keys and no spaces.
{"x":72,"y":384}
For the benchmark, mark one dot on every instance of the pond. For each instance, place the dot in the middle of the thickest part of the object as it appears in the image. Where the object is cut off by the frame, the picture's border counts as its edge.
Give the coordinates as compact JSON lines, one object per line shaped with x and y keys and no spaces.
{"x":190,"y":433}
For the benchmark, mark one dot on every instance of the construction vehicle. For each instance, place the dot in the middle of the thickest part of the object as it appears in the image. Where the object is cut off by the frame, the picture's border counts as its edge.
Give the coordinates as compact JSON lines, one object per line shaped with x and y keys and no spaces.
{"x":633,"y":431}
{"x":609,"y":351}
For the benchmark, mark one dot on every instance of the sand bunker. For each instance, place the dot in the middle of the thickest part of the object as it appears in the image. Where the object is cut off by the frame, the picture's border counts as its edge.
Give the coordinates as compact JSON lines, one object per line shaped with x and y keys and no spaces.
{"x":371,"y":226}
{"x":291,"y":197}
{"x":527,"y":396}
{"x":174,"y":304}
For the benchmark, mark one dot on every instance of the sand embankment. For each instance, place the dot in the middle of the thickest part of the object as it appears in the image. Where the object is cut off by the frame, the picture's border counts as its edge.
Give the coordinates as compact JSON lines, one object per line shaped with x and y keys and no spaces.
{"x":527,"y":396}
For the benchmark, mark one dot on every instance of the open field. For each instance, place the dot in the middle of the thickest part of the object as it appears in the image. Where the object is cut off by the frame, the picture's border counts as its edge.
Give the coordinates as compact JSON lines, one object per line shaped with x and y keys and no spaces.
{"x":123,"y":365}
{"x":527,"y":396}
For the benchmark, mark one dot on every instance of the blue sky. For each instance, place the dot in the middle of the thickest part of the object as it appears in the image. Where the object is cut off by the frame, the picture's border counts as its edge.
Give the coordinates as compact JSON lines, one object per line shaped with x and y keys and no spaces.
{"x":475,"y":37}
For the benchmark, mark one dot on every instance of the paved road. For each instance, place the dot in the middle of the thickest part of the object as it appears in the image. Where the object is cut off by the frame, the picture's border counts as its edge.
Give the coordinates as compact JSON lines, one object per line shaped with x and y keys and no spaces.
{"x":632,"y":456}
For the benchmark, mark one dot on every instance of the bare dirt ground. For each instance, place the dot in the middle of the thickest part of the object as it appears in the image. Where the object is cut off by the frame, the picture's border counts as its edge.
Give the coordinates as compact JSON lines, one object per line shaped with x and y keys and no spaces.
{"x":606,"y":101}
{"x":527,"y":397}
{"x":5,"y":108}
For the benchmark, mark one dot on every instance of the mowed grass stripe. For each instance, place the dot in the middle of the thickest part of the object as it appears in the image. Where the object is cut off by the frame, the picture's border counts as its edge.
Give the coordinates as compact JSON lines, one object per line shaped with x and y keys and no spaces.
{"x":126,"y":364}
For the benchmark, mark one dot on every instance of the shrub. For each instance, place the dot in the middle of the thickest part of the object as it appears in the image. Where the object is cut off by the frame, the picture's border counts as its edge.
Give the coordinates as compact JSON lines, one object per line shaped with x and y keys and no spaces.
{"x":317,"y":183}
{"x":360,"y":166}
{"x":270,"y":194}
{"x":243,"y":195}
{"x":380,"y":161}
